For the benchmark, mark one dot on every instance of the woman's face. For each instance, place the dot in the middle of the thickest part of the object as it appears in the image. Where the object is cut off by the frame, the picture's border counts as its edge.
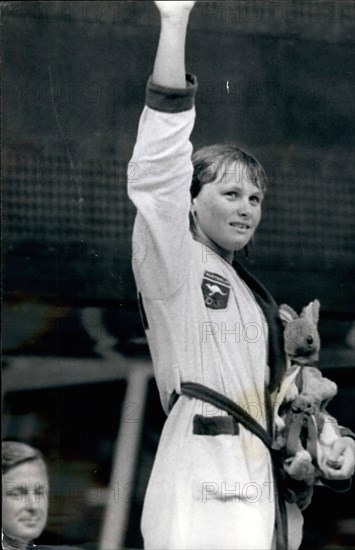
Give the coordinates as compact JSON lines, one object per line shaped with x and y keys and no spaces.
{"x":25,"y":500}
{"x":228,"y":210}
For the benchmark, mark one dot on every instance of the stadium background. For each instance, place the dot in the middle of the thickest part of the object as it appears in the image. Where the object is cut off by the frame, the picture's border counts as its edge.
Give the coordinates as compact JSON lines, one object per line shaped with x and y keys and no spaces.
{"x":275,"y":77}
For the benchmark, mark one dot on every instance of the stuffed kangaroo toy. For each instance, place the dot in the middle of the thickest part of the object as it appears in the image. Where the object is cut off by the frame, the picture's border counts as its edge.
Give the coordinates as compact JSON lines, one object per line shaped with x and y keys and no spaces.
{"x":304,"y":429}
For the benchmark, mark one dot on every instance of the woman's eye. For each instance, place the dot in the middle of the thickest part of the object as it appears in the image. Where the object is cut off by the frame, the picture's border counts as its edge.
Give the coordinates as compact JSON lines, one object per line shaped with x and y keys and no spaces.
{"x":255,"y":200}
{"x":232,"y":194}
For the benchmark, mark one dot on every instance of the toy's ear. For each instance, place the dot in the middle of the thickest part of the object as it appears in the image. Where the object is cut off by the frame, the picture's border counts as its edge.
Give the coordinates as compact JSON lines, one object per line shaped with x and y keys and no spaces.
{"x":287,"y":314}
{"x":311,"y":312}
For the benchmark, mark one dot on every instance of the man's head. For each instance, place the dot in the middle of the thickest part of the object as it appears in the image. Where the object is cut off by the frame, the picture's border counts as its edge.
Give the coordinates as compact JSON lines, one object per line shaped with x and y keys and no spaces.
{"x":227,"y":190}
{"x":25,"y":486}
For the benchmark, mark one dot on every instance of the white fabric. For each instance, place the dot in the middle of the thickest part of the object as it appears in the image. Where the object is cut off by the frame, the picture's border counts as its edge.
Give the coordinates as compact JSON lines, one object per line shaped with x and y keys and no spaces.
{"x":205,"y":491}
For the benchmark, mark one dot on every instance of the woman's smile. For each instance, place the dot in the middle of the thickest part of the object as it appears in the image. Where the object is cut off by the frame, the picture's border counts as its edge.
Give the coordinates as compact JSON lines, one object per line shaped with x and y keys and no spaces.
{"x":227,"y":212}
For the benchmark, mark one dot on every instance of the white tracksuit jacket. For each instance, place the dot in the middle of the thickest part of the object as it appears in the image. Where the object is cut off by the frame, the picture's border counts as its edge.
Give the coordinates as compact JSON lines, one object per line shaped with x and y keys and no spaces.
{"x":203,"y":325}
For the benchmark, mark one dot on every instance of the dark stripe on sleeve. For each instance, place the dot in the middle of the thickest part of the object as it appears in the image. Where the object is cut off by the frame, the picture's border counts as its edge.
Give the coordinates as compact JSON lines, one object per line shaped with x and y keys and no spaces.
{"x":171,"y":100}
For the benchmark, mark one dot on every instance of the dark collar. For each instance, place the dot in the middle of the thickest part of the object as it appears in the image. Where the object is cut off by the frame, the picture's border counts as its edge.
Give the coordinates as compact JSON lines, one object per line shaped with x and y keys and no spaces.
{"x":277,"y":359}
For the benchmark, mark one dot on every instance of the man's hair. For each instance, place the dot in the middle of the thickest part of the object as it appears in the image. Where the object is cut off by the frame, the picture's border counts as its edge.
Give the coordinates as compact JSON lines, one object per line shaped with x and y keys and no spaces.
{"x":212,"y":161}
{"x":15,"y":453}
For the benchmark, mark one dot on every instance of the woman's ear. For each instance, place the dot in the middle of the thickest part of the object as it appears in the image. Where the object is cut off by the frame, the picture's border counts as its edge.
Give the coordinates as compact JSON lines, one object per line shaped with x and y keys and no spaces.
{"x":192,"y":220}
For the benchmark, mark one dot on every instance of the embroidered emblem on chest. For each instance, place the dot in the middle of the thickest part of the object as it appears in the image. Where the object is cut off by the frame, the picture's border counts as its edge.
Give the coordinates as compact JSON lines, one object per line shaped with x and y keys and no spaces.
{"x":215,"y":290}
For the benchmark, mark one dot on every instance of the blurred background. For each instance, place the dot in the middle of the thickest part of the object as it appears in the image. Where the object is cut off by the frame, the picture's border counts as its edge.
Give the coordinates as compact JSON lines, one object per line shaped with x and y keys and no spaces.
{"x":275,"y":77}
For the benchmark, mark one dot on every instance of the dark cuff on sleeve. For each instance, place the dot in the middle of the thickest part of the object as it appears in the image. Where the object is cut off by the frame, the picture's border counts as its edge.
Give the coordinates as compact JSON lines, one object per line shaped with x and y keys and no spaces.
{"x":337,"y":485}
{"x":171,"y":100}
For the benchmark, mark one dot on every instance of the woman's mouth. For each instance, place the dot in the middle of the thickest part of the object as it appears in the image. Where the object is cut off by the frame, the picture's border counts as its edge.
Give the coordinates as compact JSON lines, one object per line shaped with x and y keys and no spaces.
{"x":240,"y":227}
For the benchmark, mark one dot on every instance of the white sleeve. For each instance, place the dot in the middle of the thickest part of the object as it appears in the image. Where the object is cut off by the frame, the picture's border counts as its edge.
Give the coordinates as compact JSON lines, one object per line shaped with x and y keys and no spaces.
{"x":159,"y":186}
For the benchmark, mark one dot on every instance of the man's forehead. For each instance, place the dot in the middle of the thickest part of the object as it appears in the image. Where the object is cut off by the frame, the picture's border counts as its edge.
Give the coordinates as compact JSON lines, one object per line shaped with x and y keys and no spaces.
{"x":27,"y":472}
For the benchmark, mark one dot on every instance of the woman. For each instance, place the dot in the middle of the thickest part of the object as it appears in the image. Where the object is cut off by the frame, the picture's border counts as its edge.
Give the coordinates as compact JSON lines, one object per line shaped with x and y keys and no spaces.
{"x":213,"y":330}
{"x":25,"y":498}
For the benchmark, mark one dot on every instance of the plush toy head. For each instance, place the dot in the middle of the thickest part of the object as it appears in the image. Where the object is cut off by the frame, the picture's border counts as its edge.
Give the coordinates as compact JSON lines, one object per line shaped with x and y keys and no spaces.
{"x":301,"y":338}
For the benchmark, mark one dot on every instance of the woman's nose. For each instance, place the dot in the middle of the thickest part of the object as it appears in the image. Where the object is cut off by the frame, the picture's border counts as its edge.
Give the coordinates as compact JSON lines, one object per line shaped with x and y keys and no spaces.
{"x":243,"y":206}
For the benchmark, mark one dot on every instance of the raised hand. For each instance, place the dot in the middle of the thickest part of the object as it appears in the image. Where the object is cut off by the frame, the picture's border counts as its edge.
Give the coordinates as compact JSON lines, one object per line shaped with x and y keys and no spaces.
{"x":169,"y":67}
{"x":171,"y":8}
{"x":341,"y":462}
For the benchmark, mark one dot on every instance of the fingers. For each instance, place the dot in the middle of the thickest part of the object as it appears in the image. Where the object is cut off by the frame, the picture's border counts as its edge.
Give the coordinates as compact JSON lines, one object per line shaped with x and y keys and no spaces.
{"x":336,"y":451}
{"x":171,"y":7}
{"x":344,"y":455}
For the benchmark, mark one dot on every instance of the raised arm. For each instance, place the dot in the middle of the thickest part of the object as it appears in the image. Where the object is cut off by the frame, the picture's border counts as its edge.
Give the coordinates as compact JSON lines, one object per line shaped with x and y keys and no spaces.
{"x":169,"y":67}
{"x":162,"y":158}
